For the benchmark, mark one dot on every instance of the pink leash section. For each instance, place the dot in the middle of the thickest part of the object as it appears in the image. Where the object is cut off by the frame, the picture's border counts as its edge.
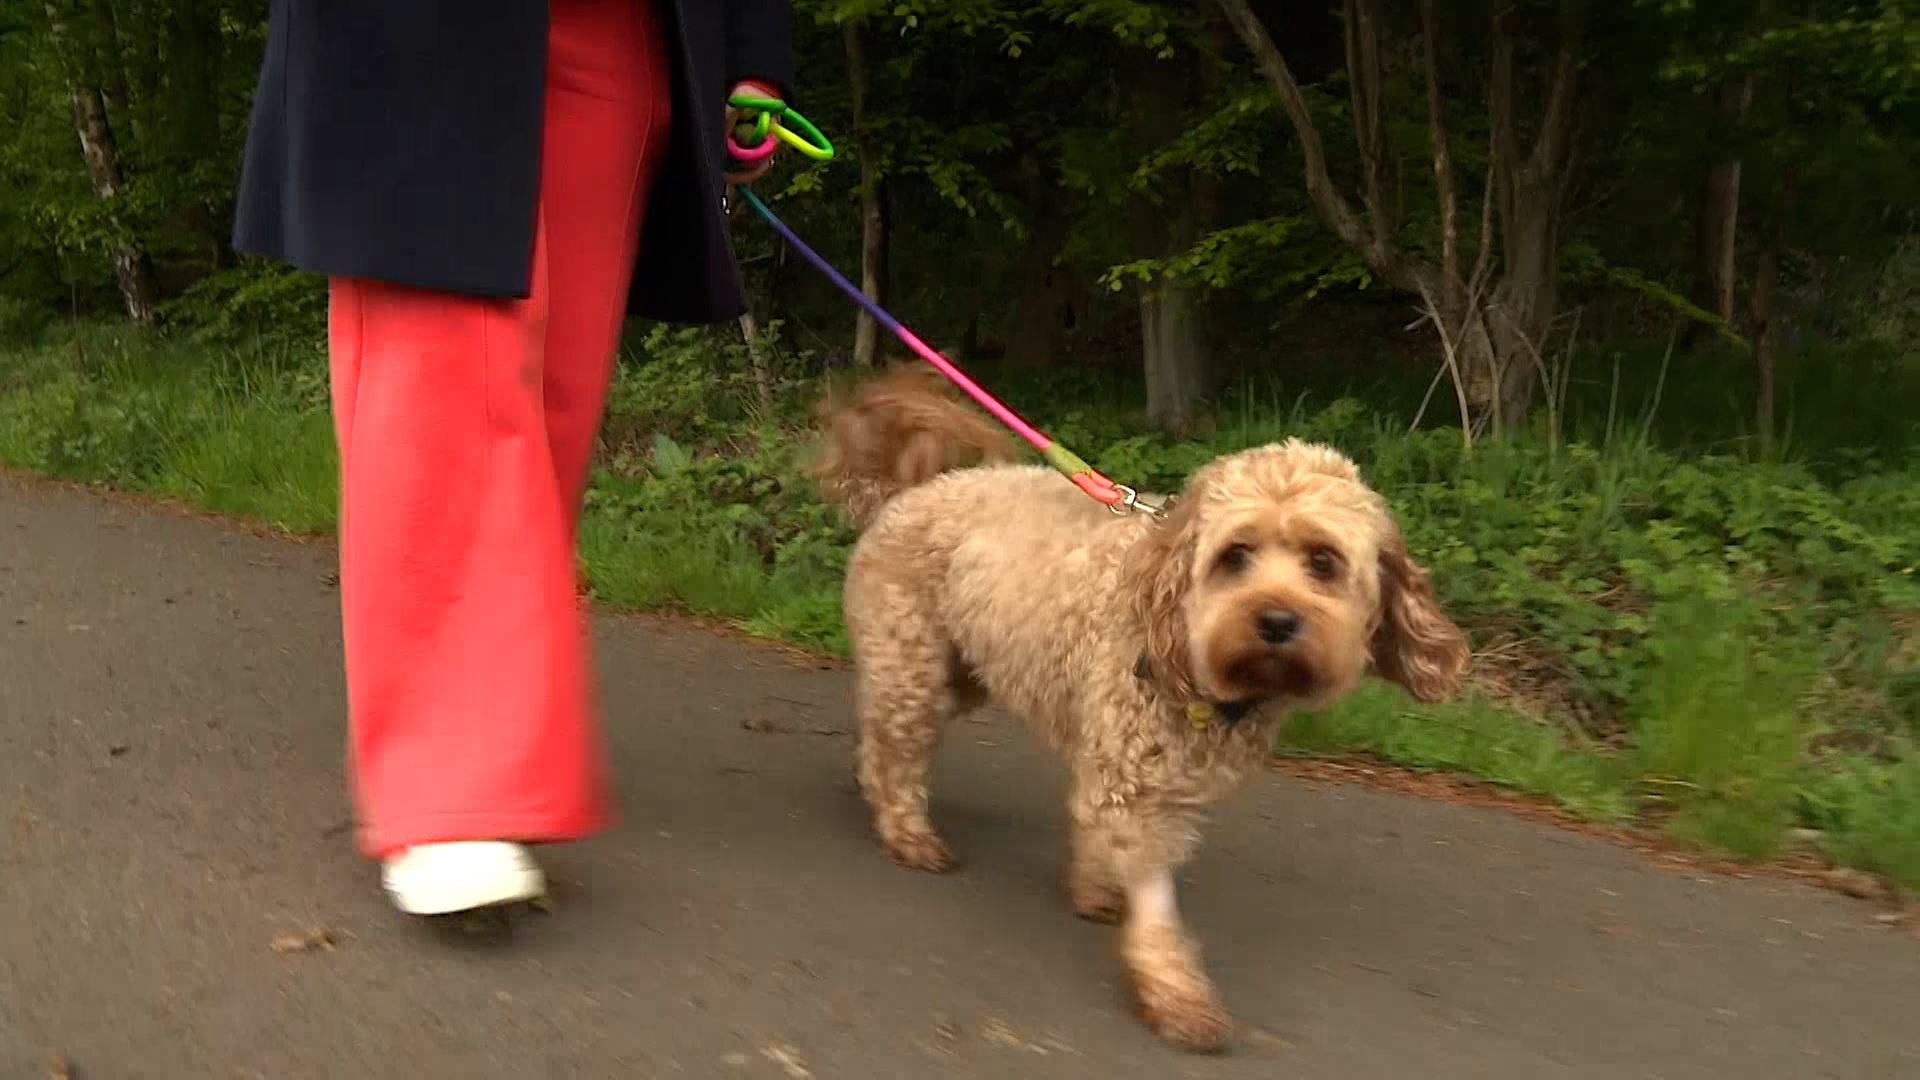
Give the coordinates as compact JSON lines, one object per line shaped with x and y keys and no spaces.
{"x":1117,"y":497}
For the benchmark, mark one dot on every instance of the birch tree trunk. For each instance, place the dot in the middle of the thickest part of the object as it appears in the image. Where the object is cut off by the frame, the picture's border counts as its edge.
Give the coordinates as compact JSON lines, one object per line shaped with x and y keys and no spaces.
{"x":132,"y":271}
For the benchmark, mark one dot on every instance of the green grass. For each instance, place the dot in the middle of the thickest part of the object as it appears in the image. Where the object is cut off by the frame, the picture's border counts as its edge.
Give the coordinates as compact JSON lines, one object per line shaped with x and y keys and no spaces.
{"x":1868,"y":814}
{"x":668,"y":565}
{"x":1676,"y":632}
{"x":241,"y":433}
{"x":1717,"y":726}
{"x":1473,"y":736}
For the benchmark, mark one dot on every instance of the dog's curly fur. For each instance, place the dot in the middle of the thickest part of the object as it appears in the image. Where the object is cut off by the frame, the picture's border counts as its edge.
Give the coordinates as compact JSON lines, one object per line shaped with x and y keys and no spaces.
{"x":1153,"y":654}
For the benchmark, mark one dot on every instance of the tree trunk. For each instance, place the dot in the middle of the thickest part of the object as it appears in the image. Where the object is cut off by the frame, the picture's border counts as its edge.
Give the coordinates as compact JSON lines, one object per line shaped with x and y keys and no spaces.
{"x":1766,"y":274}
{"x":131,"y":268}
{"x":1453,"y":285}
{"x":1175,"y":355}
{"x":1178,"y":363}
{"x":1714,"y":240}
{"x":1495,"y":335}
{"x":876,"y":233}
{"x":1367,"y":93}
{"x":757,"y":357}
{"x":1524,"y":302}
{"x":1531,"y":187}
{"x":195,"y":57}
{"x":1037,"y":329}
{"x":875,"y":217}
{"x":1715,"y":231}
{"x":1166,"y":222}
{"x":88,"y":109}
{"x":110,"y":46}
{"x":1760,"y":313}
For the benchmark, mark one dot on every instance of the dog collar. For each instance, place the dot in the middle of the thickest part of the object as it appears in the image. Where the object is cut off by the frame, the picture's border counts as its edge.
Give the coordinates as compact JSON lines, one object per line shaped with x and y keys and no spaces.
{"x":1202,"y":713}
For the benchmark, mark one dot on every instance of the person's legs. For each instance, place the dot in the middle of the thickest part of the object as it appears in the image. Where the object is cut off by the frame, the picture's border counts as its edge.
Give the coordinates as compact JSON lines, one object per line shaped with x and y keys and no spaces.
{"x":593,"y":215}
{"x":465,"y":676}
{"x":464,"y":427}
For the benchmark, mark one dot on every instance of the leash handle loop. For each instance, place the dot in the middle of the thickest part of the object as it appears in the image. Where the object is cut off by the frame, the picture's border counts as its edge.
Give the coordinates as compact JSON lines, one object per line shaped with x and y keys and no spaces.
{"x":771,"y":119}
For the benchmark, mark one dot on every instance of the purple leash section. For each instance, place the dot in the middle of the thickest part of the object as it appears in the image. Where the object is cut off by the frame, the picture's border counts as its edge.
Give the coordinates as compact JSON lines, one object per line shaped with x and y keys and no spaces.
{"x":1116,"y":497}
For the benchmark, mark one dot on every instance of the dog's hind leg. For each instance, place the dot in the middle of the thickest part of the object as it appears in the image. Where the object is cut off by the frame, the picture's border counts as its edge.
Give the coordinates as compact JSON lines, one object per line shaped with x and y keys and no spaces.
{"x":906,"y":691}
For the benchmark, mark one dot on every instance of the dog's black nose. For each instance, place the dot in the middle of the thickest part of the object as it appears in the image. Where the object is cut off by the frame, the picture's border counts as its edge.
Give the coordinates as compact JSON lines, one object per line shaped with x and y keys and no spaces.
{"x":1277,"y":626}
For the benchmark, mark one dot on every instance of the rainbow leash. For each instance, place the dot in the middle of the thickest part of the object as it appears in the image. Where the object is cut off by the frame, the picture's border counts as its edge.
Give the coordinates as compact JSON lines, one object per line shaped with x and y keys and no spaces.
{"x":1117,"y":497}
{"x":771,"y":117}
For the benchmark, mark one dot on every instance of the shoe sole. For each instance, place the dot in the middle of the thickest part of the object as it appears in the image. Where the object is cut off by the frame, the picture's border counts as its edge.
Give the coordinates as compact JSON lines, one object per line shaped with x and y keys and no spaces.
{"x":513,"y":887}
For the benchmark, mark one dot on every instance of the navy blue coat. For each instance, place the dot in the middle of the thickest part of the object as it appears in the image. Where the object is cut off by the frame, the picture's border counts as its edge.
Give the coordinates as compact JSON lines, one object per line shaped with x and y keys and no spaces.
{"x":399,"y":140}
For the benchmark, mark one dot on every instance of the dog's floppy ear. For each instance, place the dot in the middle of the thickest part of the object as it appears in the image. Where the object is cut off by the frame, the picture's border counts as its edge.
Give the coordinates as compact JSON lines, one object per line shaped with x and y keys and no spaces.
{"x":1416,"y":645}
{"x":1159,"y":571}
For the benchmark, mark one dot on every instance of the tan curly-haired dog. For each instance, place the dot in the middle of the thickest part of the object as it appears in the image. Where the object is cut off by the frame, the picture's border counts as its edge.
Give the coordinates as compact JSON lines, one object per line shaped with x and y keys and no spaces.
{"x":1154,"y":654}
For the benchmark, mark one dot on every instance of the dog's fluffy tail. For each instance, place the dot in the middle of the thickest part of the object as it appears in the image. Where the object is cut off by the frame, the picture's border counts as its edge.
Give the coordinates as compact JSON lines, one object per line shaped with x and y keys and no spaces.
{"x":898,"y":429}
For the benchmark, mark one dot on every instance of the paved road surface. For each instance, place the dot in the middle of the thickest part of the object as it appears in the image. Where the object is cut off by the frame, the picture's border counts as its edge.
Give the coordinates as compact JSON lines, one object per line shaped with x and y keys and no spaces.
{"x":170,"y":804}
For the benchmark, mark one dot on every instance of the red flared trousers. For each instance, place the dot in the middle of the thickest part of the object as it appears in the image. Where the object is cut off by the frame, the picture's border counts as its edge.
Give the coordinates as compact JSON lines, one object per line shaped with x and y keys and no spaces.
{"x":465,"y":430}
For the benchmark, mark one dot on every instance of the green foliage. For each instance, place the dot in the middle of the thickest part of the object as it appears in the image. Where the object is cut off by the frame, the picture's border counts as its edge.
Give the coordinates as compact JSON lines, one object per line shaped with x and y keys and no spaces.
{"x":1216,"y":260}
{"x":1868,"y":814}
{"x":1473,"y":736}
{"x":255,"y":300}
{"x":244,"y":433}
{"x":175,"y":81}
{"x":21,"y":321}
{"x":734,"y":535}
{"x":1716,"y":721}
{"x":987,"y":119}
{"x":703,"y":505}
{"x":1583,"y":265}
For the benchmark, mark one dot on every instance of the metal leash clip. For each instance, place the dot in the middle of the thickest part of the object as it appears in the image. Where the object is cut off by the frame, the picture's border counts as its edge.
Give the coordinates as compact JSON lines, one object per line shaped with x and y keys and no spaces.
{"x":1130,"y":500}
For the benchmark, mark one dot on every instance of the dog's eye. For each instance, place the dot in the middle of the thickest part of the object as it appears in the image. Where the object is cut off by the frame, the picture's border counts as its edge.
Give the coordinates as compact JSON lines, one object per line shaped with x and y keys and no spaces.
{"x":1323,"y":563}
{"x":1234,"y":559}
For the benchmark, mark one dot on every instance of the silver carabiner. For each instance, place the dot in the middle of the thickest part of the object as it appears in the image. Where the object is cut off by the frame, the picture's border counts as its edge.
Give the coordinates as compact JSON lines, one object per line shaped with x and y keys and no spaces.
{"x":1130,"y":500}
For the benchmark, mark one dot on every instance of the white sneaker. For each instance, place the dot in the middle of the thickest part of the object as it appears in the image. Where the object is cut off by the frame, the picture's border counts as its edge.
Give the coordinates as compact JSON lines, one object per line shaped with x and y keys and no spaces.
{"x":440,"y":879}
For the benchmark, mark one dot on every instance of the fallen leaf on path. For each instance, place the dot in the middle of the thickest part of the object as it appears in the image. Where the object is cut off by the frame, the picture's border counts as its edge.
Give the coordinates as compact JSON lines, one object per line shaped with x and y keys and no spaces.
{"x":945,"y":1030}
{"x":1265,"y":1038}
{"x":789,"y":1060}
{"x":766,"y":726}
{"x":59,"y":1068}
{"x":317,"y":939}
{"x":997,"y":1032}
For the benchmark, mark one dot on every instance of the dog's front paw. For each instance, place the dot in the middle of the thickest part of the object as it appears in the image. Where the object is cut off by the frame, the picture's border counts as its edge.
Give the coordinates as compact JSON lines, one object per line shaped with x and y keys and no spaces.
{"x":1175,"y":997}
{"x":1185,"y":1011}
{"x":920,"y":851}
